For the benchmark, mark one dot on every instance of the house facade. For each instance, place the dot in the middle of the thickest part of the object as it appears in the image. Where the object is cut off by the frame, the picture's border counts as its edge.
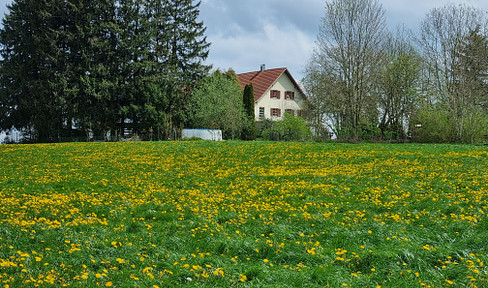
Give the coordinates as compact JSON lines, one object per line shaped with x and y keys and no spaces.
{"x":275,"y":93}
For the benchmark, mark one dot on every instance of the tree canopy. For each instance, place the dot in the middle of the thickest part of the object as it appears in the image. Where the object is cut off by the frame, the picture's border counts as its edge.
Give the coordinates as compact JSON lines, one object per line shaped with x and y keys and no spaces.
{"x":100,"y":68}
{"x":217,"y":104}
{"x":366,"y":83}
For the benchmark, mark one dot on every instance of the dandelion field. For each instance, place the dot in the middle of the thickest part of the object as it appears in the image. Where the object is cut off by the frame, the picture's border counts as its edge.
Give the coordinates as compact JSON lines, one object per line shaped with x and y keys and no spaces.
{"x":238,"y":214}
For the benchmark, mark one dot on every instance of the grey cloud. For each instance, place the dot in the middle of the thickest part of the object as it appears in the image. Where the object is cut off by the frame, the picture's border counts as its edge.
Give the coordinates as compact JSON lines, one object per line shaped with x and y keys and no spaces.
{"x":251,"y":15}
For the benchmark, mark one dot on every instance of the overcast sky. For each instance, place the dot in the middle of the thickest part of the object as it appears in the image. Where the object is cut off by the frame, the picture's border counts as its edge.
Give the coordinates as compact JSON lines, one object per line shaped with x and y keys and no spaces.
{"x":281,"y":33}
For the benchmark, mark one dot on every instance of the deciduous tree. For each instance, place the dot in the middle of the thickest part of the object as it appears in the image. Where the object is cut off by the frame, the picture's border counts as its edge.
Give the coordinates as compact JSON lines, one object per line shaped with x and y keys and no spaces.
{"x":398,"y":87}
{"x":349,"y":53}
{"x":217,"y":104}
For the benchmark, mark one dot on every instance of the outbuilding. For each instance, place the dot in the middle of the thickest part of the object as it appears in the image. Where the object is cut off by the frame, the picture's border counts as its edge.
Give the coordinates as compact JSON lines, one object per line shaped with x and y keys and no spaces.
{"x":204,"y":134}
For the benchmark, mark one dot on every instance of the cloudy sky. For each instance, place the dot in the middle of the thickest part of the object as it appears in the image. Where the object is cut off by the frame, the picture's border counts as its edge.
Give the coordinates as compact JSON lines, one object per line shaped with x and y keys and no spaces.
{"x":282,"y":33}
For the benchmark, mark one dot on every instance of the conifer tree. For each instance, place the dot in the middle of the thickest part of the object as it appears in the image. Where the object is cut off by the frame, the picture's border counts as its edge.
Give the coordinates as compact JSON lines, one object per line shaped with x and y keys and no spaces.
{"x":249,"y":131}
{"x":99,"y":66}
{"x":187,"y":49}
{"x":32,"y":69}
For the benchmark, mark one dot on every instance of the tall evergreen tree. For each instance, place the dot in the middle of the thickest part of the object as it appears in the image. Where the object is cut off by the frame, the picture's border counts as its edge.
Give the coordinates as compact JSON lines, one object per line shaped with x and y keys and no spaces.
{"x":100,"y":66}
{"x":33,"y":69}
{"x":188,"y":48}
{"x":249,"y":131}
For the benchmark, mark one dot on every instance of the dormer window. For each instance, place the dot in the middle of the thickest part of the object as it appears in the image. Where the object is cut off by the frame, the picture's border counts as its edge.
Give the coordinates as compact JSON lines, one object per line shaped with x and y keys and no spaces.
{"x":275,"y":94}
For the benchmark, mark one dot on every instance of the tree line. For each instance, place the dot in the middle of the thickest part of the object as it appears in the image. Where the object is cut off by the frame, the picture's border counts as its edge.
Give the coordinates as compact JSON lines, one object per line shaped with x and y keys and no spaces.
{"x":75,"y":68}
{"x":105,"y":68}
{"x":368,"y":83}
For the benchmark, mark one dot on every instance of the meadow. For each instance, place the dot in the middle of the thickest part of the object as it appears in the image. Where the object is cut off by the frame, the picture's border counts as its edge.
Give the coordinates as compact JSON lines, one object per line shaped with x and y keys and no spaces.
{"x":243,"y":214}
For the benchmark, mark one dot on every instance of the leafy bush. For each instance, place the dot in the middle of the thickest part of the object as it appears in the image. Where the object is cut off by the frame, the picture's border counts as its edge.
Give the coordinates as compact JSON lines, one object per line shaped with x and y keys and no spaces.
{"x":291,"y":128}
{"x":431,"y":125}
{"x":217,"y":104}
{"x":475,"y":127}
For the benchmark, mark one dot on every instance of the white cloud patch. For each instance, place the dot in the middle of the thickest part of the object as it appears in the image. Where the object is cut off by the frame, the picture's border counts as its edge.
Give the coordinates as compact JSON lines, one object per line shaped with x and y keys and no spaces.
{"x":246,"y":34}
{"x":412,"y":13}
{"x":275,"y":46}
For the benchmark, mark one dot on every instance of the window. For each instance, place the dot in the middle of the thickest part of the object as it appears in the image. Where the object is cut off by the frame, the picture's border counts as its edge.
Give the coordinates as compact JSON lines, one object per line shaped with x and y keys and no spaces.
{"x":290,"y":111}
{"x":289,"y":95}
{"x":261,"y":112}
{"x":275,"y":94}
{"x":275,"y":112}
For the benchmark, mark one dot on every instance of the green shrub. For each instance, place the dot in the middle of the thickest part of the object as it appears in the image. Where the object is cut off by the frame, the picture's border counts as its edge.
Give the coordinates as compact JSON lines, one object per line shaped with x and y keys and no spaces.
{"x":431,"y":125}
{"x":475,"y":127}
{"x":291,"y":128}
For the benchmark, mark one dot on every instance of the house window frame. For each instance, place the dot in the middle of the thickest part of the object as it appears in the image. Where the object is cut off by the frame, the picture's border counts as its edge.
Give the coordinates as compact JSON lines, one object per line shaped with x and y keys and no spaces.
{"x":261,"y":112}
{"x":274,"y":94}
{"x":275,"y":112}
{"x":290,"y":111}
{"x":289,"y":95}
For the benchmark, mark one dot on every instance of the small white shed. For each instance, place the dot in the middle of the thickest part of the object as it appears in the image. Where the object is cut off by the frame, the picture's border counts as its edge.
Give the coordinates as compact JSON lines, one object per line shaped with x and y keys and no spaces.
{"x":204,"y":134}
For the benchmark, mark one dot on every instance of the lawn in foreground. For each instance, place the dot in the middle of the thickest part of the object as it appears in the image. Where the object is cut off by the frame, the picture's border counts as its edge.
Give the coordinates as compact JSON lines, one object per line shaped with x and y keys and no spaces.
{"x":235,"y":214}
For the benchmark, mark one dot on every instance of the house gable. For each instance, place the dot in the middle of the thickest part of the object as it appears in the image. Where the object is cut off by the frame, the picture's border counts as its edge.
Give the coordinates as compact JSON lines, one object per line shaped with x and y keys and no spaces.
{"x":275,"y":92}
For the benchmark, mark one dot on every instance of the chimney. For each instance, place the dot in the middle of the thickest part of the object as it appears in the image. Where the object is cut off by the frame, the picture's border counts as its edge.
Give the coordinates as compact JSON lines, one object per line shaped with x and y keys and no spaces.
{"x":263,"y":67}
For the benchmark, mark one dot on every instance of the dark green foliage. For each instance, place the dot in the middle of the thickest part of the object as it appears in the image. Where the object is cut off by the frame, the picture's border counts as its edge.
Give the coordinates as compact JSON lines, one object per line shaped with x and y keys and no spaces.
{"x":183,"y":49}
{"x":266,"y":130}
{"x":248,"y":100}
{"x":249,"y":130}
{"x":33,"y":68}
{"x":99,"y":67}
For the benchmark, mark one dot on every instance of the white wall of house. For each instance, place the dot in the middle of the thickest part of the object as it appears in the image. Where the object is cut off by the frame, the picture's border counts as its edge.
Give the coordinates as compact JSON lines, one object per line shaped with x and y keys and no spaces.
{"x":283,"y":84}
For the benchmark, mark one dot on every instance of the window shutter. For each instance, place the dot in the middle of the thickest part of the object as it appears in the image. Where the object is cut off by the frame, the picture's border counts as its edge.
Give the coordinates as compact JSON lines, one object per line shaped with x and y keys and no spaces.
{"x":278,"y":92}
{"x":292,"y":95}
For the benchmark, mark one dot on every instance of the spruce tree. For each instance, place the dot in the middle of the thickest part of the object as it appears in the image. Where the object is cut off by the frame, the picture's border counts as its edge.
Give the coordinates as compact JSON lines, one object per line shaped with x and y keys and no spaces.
{"x":187,"y":49}
{"x":98,"y":73}
{"x":33,"y":68}
{"x":99,"y":66}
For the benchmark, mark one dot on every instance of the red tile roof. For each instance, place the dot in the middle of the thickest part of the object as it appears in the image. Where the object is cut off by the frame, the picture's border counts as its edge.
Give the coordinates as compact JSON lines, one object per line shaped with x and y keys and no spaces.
{"x":263,"y":80}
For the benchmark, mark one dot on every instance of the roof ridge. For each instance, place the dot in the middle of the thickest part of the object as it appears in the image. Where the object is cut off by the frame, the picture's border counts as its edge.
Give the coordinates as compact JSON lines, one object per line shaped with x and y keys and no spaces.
{"x":259,"y":73}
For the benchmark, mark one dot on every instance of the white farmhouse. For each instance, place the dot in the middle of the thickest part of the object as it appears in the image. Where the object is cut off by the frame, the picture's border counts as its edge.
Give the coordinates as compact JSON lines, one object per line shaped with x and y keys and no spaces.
{"x":275,"y":93}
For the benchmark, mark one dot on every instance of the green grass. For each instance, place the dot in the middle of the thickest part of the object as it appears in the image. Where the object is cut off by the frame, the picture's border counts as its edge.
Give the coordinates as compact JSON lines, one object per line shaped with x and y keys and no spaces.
{"x":243,"y":214}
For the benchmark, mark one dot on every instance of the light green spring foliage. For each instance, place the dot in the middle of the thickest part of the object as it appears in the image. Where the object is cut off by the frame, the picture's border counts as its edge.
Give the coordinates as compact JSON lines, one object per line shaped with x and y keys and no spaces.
{"x":217,"y":104}
{"x":290,"y":128}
